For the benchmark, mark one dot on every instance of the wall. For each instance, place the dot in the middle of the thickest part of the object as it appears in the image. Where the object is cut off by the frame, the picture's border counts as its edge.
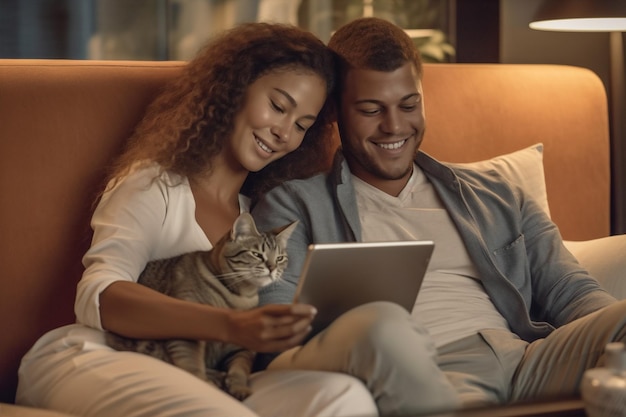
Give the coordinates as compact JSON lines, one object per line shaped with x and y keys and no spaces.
{"x":521,"y":45}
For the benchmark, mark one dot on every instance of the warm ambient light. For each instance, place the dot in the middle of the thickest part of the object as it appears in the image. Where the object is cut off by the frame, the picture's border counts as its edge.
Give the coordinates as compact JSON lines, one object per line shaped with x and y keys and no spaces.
{"x":581,"y":16}
{"x":606,"y":24}
{"x":600,"y":16}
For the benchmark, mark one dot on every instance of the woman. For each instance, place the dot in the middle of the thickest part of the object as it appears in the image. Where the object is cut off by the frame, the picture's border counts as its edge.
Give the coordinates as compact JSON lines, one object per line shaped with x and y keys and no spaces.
{"x":252,"y":96}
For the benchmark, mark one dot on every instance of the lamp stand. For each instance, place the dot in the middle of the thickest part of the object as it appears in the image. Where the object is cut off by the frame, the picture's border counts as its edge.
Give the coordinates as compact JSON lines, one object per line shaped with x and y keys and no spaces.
{"x":618,"y":141}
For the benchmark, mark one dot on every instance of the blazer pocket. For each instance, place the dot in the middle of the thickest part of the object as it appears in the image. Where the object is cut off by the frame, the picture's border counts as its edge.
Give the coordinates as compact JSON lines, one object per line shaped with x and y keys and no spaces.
{"x":512,"y":261}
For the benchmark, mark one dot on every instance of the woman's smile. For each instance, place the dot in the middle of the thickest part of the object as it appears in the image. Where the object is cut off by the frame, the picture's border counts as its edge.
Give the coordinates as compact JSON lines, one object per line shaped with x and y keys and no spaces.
{"x":263,"y":146}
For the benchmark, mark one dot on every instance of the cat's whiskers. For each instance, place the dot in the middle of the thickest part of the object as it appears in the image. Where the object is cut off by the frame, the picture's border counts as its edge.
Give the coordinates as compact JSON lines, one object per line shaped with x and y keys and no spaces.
{"x":241,"y":275}
{"x":252,"y":273}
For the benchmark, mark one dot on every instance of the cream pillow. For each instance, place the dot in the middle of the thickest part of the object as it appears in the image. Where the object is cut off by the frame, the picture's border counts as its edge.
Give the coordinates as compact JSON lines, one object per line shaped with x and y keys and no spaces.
{"x":523,"y":168}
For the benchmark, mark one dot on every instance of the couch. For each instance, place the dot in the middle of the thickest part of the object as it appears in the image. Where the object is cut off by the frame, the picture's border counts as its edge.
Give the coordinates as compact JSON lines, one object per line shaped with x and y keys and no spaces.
{"x":62,"y":121}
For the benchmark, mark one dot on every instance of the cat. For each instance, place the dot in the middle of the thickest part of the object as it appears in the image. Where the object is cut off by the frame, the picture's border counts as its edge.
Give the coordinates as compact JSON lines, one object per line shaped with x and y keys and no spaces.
{"x":229,"y":275}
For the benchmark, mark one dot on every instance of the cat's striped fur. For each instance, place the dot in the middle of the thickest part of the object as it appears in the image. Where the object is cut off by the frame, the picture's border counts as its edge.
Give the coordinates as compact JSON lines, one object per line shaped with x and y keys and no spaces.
{"x":229,"y":275}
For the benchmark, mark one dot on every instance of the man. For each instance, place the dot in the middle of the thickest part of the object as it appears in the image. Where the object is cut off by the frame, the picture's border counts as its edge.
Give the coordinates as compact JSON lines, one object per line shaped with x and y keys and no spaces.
{"x":505,"y":312}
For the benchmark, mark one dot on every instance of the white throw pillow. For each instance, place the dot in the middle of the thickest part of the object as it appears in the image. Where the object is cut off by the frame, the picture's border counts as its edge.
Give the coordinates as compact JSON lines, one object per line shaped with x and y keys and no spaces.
{"x":523,"y":168}
{"x":605,"y":259}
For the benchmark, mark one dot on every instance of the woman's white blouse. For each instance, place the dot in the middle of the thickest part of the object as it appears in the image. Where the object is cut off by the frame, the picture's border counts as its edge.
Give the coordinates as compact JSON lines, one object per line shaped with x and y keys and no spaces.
{"x":146,"y":216}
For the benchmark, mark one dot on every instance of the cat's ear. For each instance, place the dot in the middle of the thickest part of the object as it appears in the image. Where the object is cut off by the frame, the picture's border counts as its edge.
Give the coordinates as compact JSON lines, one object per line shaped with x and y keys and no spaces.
{"x":283,"y":233}
{"x":244,"y":225}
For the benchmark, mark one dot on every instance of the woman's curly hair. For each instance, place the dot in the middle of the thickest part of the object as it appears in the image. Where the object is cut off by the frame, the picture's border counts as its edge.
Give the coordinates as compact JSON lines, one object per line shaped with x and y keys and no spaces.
{"x":186,"y":126}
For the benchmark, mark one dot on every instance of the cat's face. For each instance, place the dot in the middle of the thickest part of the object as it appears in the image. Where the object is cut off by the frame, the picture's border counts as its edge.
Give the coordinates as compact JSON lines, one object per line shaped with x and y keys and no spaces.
{"x":252,"y":258}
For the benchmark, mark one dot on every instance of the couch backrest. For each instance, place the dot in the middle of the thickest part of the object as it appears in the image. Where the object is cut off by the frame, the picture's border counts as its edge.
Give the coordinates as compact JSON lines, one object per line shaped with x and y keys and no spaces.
{"x":477,"y":111}
{"x":61,"y":122}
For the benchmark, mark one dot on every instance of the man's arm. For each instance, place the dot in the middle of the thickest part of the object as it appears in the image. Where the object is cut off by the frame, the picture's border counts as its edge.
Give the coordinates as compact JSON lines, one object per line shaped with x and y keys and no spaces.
{"x":564,"y":289}
{"x":275,"y":209}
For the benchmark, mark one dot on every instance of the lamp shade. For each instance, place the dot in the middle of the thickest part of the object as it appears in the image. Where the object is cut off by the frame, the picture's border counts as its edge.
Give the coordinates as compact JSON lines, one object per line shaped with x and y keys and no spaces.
{"x":581,"y":16}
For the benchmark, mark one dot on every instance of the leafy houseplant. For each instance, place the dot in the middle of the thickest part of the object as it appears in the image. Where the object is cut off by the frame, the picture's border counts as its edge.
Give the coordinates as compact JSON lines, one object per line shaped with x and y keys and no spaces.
{"x":425,"y":21}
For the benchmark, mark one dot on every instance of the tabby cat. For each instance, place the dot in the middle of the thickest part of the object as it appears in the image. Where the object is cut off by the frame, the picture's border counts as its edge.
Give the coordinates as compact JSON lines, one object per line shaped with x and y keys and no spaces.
{"x":229,"y":275}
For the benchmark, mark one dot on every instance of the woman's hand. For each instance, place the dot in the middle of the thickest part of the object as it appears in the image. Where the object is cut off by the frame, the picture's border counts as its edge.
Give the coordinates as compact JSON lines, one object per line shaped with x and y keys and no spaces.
{"x":271,"y":328}
{"x":134,"y":310}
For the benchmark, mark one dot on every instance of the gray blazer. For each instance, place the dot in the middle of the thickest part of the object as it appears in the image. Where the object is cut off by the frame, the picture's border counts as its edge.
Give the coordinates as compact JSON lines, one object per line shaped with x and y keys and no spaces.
{"x":532,"y":279}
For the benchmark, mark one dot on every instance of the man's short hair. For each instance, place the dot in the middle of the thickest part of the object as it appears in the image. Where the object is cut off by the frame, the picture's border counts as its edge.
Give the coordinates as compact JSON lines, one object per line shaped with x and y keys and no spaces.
{"x":375,"y":44}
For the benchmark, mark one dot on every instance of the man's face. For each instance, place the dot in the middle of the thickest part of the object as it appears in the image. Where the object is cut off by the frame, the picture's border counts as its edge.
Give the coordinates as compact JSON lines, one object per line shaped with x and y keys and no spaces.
{"x":381,"y":122}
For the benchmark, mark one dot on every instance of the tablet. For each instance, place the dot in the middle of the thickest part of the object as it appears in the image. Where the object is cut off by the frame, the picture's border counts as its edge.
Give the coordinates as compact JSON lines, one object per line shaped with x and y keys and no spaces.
{"x":337,"y":277}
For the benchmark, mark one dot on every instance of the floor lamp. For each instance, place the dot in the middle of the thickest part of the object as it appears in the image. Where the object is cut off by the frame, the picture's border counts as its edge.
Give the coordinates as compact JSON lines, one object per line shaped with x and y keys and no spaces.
{"x":600,"y":16}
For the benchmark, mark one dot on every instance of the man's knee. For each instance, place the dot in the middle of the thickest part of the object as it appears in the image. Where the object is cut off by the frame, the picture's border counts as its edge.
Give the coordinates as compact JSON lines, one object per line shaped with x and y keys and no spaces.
{"x":375,"y":324}
{"x":375,"y":336}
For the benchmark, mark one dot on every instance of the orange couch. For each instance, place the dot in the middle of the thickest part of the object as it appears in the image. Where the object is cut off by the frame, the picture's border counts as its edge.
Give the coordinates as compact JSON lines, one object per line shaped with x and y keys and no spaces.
{"x":61,"y":123}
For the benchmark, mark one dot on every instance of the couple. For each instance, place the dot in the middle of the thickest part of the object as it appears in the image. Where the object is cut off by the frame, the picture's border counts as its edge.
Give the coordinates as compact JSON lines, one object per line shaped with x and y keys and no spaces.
{"x":263,"y":94}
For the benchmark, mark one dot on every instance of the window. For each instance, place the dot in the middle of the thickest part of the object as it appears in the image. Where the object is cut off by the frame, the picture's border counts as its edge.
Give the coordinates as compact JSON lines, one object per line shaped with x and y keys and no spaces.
{"x":175,"y":29}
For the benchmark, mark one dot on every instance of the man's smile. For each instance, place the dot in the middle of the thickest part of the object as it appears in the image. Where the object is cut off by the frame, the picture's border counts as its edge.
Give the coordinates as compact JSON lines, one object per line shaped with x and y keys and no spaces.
{"x":393,"y":145}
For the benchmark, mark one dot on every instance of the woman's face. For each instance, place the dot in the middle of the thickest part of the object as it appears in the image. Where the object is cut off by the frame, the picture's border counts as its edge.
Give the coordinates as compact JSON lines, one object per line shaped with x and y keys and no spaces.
{"x":278,"y":109}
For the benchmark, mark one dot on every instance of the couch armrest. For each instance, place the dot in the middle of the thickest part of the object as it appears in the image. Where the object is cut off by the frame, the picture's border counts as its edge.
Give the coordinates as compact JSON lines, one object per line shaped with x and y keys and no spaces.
{"x":12,"y":410}
{"x":605,"y":259}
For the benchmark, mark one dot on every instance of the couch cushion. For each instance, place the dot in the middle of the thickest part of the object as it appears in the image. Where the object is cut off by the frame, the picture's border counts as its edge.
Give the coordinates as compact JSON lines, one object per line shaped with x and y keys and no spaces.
{"x":523,"y":168}
{"x":604,"y":259}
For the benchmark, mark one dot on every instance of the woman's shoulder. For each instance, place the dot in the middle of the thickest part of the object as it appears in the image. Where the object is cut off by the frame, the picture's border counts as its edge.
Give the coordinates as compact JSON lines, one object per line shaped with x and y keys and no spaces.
{"x":145,"y":182}
{"x":147,"y":175}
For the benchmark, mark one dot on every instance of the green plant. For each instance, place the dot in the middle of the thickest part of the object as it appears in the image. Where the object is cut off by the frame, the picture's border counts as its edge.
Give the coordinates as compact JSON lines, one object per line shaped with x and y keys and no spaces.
{"x":427,"y":17}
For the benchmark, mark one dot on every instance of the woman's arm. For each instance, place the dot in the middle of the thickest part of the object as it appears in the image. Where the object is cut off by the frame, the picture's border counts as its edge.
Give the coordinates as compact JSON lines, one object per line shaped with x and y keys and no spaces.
{"x":141,"y":220}
{"x":134,"y":310}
